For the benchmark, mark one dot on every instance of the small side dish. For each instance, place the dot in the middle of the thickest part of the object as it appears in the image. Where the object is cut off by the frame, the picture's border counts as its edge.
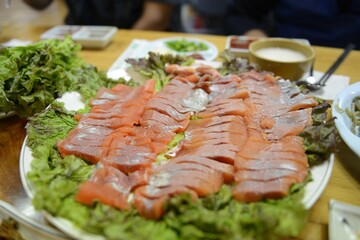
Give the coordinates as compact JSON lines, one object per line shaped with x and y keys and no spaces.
{"x":344,"y":221}
{"x":239,"y":45}
{"x":184,"y":45}
{"x":194,"y":47}
{"x":343,"y":107}
{"x":284,"y":57}
{"x":354,"y":114}
{"x":87,"y":36}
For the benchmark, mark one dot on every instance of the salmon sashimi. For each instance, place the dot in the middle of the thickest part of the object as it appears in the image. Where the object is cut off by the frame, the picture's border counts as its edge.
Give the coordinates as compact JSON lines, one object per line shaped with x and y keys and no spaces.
{"x":152,"y":117}
{"x":87,"y":151}
{"x":253,"y":191}
{"x":273,"y":157}
{"x":150,"y":201}
{"x":227,"y":170}
{"x":130,"y":158}
{"x":90,"y":136}
{"x":256,"y":150}
{"x":242,"y":130}
{"x":179,"y":70}
{"x":92,"y":154}
{"x":290,"y":124}
{"x":112,"y":187}
{"x":208,"y":70}
{"x":223,"y":110}
{"x":174,"y":180}
{"x":224,"y":154}
{"x":168,"y":110}
{"x":269,"y":174}
{"x":216,"y":120}
{"x":107,"y":185}
{"x":256,"y":164}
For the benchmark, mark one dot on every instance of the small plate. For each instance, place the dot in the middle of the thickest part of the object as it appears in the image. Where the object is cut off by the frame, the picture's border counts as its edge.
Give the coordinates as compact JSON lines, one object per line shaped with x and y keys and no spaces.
{"x":313,"y":190}
{"x":87,"y":36}
{"x":344,"y":221}
{"x":209,"y":54}
{"x":343,"y":123}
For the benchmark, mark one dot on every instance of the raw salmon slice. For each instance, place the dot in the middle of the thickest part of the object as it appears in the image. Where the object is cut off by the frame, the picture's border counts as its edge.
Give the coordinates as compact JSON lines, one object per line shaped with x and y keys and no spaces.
{"x":229,"y":109}
{"x":100,"y":126}
{"x":269,"y":174}
{"x":107,"y":185}
{"x":227,"y":170}
{"x":168,"y":110}
{"x":216,"y":120}
{"x":179,"y":70}
{"x":150,"y":208}
{"x":152,"y":117}
{"x":230,"y":91}
{"x":290,"y":124}
{"x":253,"y":191}
{"x":275,"y":163}
{"x":223,"y":154}
{"x":92,"y":154}
{"x":130,"y":158}
{"x":203,"y":183}
{"x":150,"y":202}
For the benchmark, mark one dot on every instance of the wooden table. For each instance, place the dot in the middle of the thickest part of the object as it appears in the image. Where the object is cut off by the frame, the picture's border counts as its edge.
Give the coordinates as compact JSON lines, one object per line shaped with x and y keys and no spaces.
{"x":344,"y":184}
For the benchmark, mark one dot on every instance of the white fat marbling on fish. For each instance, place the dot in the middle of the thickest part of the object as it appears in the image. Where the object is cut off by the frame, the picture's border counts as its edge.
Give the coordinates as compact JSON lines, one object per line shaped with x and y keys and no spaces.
{"x":197,"y":101}
{"x":160,"y":180}
{"x":99,"y":101}
{"x":108,"y":95}
{"x":151,"y":190}
{"x":130,"y":198}
{"x":120,"y":188}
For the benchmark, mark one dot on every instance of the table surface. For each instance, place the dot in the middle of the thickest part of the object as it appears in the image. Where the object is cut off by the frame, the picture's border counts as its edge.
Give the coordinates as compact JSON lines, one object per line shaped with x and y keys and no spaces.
{"x":344,"y":184}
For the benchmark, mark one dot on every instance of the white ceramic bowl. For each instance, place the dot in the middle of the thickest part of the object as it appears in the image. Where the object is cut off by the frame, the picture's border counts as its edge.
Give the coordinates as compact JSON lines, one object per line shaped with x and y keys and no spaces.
{"x":343,"y":123}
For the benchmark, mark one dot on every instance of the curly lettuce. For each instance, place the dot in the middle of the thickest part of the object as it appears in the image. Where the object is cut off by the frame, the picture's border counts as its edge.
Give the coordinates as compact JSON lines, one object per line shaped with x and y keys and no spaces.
{"x":33,"y":76}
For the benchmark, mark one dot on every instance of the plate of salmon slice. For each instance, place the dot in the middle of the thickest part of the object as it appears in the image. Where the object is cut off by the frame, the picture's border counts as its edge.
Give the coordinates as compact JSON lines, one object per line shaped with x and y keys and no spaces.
{"x":239,"y":130}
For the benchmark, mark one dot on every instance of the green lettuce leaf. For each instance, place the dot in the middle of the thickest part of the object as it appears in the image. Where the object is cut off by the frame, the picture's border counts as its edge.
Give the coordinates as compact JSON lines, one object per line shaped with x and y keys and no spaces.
{"x":33,"y":76}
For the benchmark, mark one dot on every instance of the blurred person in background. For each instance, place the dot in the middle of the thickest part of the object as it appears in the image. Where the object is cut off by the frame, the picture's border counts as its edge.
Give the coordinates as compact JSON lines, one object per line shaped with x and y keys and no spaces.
{"x":332,"y":23}
{"x":119,"y":13}
{"x":191,"y":16}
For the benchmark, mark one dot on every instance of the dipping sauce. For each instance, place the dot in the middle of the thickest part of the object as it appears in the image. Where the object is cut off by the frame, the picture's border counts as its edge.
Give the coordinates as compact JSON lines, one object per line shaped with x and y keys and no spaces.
{"x":281,"y":54}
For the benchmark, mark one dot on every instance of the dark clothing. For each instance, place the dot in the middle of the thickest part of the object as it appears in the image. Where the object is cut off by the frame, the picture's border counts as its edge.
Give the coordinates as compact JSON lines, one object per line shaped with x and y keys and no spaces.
{"x":119,"y":13}
{"x":323,"y":22}
{"x":207,"y":17}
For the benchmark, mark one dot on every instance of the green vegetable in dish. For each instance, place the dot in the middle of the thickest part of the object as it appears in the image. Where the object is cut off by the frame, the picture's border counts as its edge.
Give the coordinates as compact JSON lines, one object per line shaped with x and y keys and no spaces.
{"x":33,"y":76}
{"x":184,"y":45}
{"x":354,"y":114}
